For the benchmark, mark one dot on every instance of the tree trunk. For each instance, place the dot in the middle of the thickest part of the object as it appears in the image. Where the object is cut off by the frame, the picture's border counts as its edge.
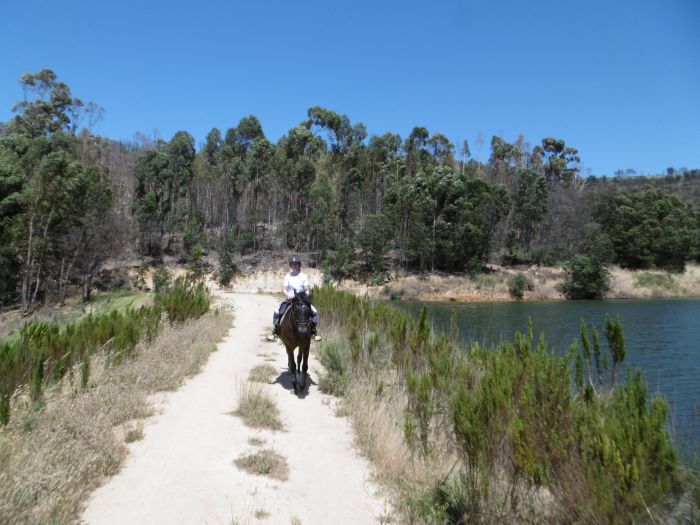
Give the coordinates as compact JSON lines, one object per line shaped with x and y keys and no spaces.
{"x":27,"y":269}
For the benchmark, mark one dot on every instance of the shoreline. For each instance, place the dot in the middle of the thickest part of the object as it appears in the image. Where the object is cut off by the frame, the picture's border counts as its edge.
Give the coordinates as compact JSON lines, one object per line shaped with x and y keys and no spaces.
{"x":543,"y":285}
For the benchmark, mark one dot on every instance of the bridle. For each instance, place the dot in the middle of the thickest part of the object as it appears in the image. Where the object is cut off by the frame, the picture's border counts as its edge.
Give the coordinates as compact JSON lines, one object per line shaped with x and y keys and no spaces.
{"x":302,"y":325}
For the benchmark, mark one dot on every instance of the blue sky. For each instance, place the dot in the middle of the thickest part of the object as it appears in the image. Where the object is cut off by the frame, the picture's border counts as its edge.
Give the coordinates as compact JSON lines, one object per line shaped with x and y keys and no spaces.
{"x":618,"y":80}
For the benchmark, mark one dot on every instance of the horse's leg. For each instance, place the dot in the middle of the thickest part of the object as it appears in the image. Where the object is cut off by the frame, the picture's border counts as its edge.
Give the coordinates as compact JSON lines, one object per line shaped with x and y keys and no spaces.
{"x":304,"y":357}
{"x":300,"y":356}
{"x":292,"y":366}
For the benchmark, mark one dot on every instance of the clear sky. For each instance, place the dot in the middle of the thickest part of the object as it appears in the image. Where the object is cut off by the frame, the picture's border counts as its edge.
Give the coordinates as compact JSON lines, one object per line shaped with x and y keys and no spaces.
{"x":619,"y":80}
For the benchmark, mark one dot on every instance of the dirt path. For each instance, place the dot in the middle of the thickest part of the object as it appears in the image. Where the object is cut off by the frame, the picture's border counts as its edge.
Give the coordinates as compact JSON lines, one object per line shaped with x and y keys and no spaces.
{"x":182,"y":471}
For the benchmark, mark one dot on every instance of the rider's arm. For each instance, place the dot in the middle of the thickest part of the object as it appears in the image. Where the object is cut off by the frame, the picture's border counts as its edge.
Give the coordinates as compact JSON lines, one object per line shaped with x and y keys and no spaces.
{"x":287,"y":290}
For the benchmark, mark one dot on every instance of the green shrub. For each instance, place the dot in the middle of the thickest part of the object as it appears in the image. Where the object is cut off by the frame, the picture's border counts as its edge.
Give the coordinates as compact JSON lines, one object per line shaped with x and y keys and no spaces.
{"x":226,"y":273}
{"x":161,"y":280}
{"x":187,"y":299}
{"x":654,"y":280}
{"x":587,"y":278}
{"x":394,"y":294}
{"x":517,"y":284}
{"x":335,"y":356}
{"x":340,"y":263}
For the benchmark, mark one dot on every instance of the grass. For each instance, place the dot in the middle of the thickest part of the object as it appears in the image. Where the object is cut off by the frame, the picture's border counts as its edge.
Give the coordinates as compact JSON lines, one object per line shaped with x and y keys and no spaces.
{"x":256,"y":442}
{"x":134,"y":433}
{"x":264,"y":462}
{"x":262,"y":374}
{"x":261,"y":514}
{"x":664,"y":281}
{"x":257,"y":408}
{"x":51,"y":458}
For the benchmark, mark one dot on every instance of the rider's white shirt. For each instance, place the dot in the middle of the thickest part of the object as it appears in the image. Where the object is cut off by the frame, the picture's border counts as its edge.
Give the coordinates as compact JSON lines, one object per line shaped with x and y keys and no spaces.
{"x":295,"y":283}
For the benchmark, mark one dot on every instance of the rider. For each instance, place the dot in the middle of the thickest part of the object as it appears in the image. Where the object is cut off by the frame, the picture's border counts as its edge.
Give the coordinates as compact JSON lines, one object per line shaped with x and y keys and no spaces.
{"x":294,"y":281}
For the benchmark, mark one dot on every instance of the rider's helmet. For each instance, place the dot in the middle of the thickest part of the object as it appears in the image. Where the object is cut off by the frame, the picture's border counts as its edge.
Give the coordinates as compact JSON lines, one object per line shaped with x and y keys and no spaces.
{"x":295,"y":259}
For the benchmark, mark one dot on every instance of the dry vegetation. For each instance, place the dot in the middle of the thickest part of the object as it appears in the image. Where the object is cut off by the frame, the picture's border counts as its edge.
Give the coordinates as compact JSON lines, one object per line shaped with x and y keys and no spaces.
{"x":543,"y":284}
{"x":257,"y":408}
{"x":52,"y":456}
{"x":652,"y":284}
{"x":264,"y":462}
{"x":262,"y":374}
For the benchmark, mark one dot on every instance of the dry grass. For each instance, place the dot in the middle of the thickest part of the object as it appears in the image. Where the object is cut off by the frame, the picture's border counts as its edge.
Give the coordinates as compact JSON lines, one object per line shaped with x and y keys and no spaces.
{"x":264,"y":462}
{"x":262,"y":374}
{"x":261,"y":514}
{"x":376,"y":421}
{"x":645,"y":284}
{"x":52,"y":457}
{"x":134,"y":433}
{"x":257,"y":408}
{"x":256,"y":441}
{"x":376,"y":407}
{"x":544,"y":285}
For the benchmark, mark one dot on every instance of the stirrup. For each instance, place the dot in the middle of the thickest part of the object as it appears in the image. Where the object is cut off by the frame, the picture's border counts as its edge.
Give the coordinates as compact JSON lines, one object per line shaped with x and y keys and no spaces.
{"x":271,"y":337}
{"x":317,"y":337}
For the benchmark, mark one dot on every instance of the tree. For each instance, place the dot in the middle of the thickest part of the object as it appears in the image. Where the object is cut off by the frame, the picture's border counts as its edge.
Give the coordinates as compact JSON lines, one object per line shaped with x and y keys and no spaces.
{"x":560,"y":162}
{"x":43,"y":187}
{"x":373,"y":240}
{"x":587,"y":278}
{"x":322,"y":220}
{"x":163,"y":178}
{"x":529,"y":208}
{"x":647,"y":228}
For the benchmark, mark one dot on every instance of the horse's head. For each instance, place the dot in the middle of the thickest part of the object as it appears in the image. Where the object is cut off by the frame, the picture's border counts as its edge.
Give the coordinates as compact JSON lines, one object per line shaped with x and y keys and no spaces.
{"x":301,"y":312}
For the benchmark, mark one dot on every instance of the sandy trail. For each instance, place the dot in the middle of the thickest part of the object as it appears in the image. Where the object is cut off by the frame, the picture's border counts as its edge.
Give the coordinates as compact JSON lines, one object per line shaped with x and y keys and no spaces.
{"x":182,"y":471}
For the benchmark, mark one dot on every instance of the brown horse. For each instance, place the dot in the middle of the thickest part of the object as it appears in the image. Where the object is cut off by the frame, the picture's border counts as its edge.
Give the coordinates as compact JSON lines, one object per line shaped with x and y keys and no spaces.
{"x":295,"y":332}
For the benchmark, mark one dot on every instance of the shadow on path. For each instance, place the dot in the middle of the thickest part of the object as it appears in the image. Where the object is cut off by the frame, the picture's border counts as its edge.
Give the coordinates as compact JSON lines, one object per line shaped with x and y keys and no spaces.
{"x":285,"y":380}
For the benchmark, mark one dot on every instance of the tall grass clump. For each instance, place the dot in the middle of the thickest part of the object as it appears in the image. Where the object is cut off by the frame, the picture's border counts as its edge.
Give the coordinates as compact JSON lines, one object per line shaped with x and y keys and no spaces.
{"x":257,"y":408}
{"x":42,"y":353}
{"x":511,"y":433}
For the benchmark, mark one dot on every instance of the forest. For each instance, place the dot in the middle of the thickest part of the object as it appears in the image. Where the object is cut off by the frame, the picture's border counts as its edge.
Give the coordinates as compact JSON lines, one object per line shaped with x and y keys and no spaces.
{"x":361,"y":206}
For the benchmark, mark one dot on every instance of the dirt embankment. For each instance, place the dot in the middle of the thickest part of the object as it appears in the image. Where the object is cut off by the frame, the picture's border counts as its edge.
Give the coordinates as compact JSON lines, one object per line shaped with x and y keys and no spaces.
{"x":543,"y":284}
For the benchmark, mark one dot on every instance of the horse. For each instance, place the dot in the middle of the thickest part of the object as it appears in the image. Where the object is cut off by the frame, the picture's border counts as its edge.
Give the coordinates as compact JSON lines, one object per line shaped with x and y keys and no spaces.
{"x":296,"y":332}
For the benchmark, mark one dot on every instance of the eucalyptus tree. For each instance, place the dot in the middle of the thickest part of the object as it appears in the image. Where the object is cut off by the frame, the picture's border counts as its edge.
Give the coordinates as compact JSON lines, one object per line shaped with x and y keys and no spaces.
{"x":44,"y":185}
{"x":162,"y":179}
{"x":559,"y":160}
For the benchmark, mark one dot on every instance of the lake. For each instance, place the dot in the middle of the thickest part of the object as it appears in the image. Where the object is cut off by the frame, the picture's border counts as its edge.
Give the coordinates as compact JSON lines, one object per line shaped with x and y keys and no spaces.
{"x":662,"y":338}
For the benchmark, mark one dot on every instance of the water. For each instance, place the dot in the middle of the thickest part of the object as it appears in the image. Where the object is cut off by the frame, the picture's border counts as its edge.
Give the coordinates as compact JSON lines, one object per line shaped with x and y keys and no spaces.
{"x":662,"y":338}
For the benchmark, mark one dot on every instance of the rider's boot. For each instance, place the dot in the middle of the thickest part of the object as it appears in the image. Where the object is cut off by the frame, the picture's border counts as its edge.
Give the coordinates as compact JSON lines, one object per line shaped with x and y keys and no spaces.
{"x":276,"y":324}
{"x":314,"y":332}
